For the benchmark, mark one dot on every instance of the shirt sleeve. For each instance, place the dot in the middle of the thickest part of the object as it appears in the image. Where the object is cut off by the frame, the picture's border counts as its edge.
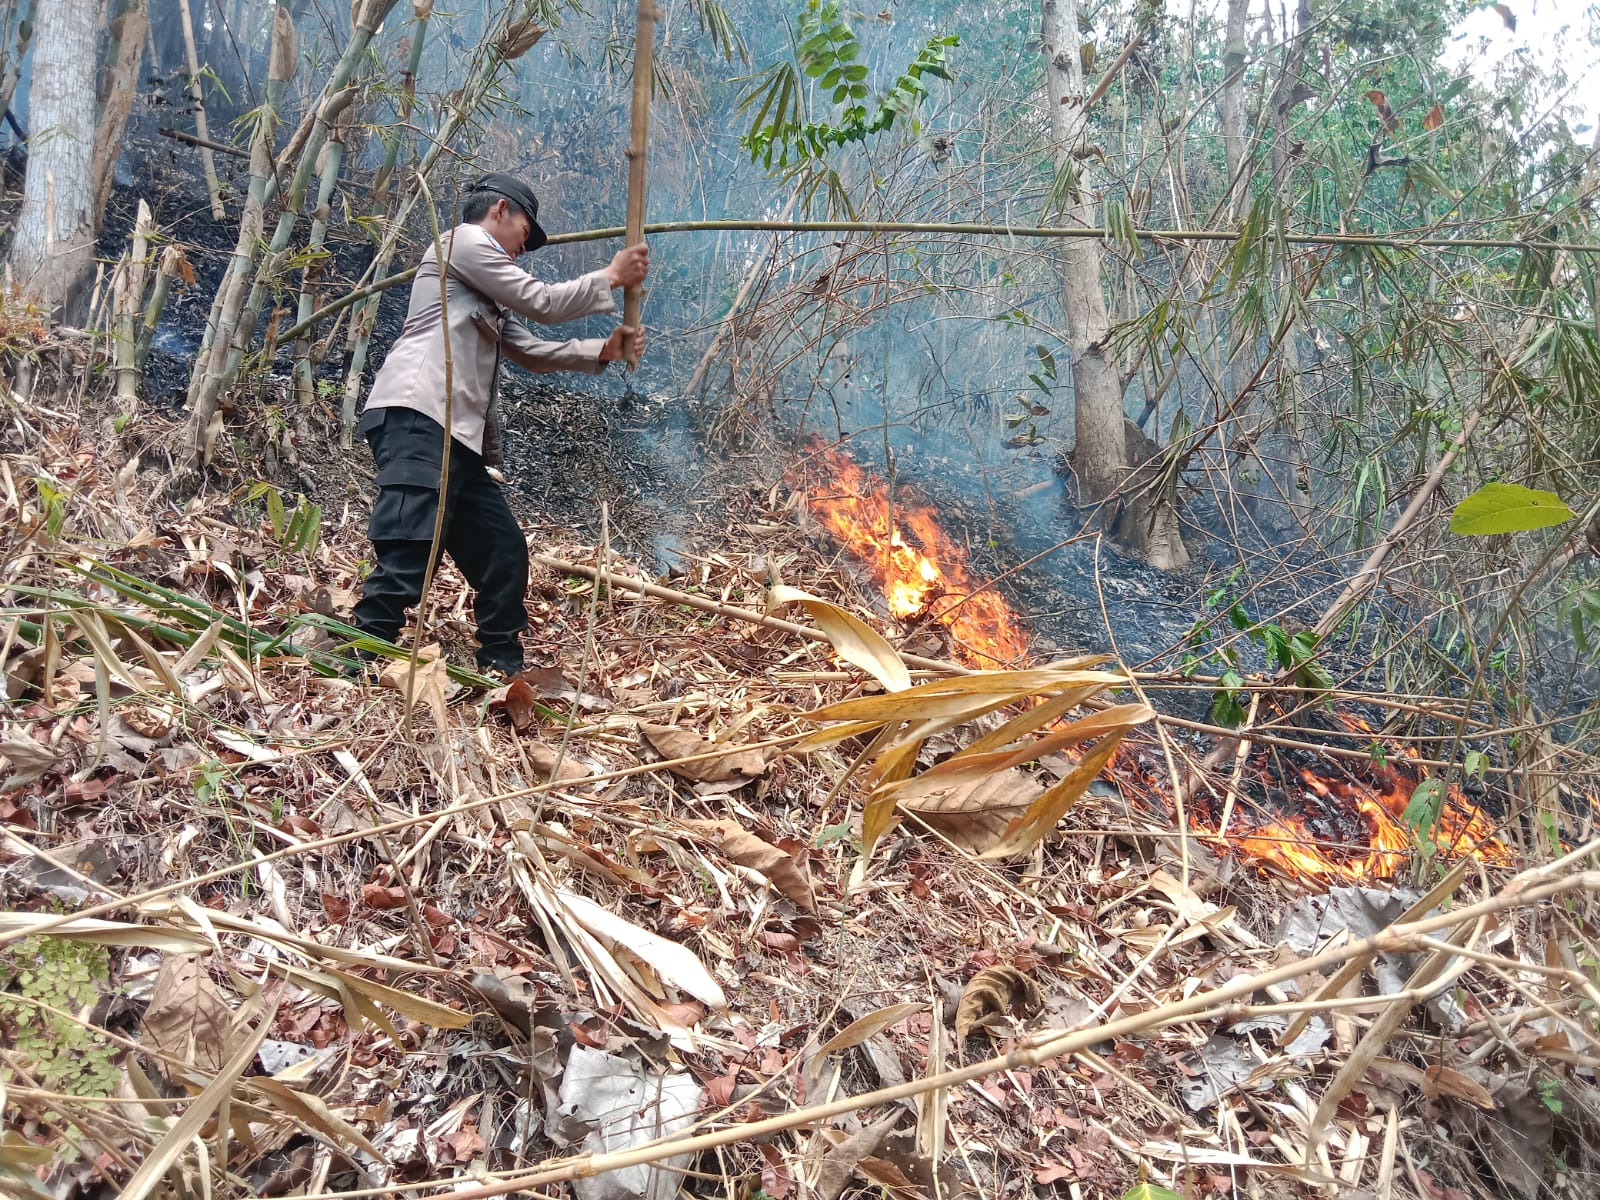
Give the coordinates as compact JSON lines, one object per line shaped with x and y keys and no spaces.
{"x":531,"y":354}
{"x":487,"y":269}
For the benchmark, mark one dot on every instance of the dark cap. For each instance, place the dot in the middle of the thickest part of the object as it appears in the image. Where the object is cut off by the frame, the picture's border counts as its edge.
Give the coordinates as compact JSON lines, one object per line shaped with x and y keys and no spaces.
{"x":517,"y":193}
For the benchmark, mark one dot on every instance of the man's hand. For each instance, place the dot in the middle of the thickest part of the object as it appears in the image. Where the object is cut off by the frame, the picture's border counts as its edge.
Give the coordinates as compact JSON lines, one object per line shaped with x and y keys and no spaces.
{"x":629,"y":267}
{"x":618,"y":343}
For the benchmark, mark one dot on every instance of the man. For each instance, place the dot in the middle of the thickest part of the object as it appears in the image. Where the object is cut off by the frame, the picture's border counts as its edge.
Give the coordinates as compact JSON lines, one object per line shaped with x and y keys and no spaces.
{"x":405,"y":415}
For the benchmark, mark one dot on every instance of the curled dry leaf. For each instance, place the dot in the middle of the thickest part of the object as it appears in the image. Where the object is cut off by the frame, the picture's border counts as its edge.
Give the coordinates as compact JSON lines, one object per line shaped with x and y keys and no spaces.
{"x":188,"y":1020}
{"x":517,"y":699}
{"x":732,"y":763}
{"x":748,"y":850}
{"x":991,"y":991}
{"x":853,"y":639}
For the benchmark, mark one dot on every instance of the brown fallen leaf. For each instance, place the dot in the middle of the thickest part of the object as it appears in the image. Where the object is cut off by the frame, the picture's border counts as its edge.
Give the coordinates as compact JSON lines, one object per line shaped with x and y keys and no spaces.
{"x":873,"y":1023}
{"x":378,"y":896}
{"x":995,"y":990}
{"x":428,"y":685}
{"x":841,"y":1161}
{"x":748,"y":850}
{"x":517,"y":700}
{"x":544,"y":760}
{"x":189,"y":1019}
{"x":671,"y":742}
{"x":975,"y":815}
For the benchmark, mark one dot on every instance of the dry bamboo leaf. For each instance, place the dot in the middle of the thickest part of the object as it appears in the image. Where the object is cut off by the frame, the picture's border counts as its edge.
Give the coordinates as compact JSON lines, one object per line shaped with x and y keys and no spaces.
{"x":1442,"y":1081}
{"x":976,"y":815}
{"x":309,"y":1110}
{"x":748,"y":850}
{"x":189,"y":1018}
{"x":974,"y":693}
{"x":416,"y":1008}
{"x":1043,"y":814}
{"x":675,"y":964}
{"x":994,"y":990}
{"x":865,"y":1027}
{"x":734,"y":763}
{"x":106,"y":933}
{"x":29,"y":761}
{"x":853,"y":639}
{"x":966,"y":765}
{"x":428,"y":684}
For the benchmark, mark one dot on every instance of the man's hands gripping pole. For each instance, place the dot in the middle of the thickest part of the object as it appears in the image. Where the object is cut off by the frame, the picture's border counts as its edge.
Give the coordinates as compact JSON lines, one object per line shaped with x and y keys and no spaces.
{"x":628,"y":269}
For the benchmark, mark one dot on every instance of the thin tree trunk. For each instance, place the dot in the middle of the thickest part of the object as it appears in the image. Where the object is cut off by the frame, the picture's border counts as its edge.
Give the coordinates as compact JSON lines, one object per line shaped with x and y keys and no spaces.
{"x":1106,"y":442}
{"x":120,"y":83}
{"x":55,"y":230}
{"x":12,"y":73}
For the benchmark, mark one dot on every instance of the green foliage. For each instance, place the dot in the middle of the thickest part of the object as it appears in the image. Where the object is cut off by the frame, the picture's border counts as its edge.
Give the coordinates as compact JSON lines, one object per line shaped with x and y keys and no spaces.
{"x":62,"y":1054}
{"x":1507,"y":508}
{"x":827,"y":54}
{"x":1421,"y":813}
{"x":296,"y":532}
{"x":1294,"y":654}
{"x":1145,"y":1190}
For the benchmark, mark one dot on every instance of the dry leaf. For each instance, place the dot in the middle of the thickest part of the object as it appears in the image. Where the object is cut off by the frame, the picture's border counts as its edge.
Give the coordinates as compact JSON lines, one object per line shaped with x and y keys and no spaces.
{"x":544,"y":760}
{"x":976,"y":815}
{"x":29,"y":760}
{"x":675,"y":964}
{"x":995,"y":990}
{"x":377,"y":895}
{"x":748,"y":850}
{"x":865,"y":1027}
{"x":427,"y":685}
{"x":1442,"y":1081}
{"x":517,"y":699}
{"x":733,"y":763}
{"x":842,"y":1160}
{"x":1434,"y":119}
{"x":1045,"y":812}
{"x":853,"y":639}
{"x":188,"y":1019}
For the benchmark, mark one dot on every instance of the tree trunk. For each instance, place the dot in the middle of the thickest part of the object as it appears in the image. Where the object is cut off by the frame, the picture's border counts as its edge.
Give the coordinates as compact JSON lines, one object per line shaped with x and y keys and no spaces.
{"x":1148,"y":528}
{"x":55,"y":230}
{"x":117,"y":89}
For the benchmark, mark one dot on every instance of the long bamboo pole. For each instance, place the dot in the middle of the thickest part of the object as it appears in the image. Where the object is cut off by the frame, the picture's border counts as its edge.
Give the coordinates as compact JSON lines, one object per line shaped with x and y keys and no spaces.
{"x":978,"y":230}
{"x":644,"y":43}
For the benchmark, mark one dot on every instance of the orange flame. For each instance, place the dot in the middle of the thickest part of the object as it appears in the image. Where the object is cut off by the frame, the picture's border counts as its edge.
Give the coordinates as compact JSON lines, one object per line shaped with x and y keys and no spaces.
{"x":925,"y":578}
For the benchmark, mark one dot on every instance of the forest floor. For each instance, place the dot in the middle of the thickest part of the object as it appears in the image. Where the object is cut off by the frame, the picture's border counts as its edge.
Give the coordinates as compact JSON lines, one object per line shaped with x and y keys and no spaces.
{"x":503,"y":938}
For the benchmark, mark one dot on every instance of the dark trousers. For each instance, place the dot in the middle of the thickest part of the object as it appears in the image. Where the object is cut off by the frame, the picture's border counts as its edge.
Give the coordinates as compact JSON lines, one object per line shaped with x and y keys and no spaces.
{"x":480,"y":535}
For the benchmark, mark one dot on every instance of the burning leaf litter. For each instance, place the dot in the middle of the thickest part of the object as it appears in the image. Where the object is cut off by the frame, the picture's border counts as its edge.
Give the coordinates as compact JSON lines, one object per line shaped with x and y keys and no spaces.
{"x":402,"y":958}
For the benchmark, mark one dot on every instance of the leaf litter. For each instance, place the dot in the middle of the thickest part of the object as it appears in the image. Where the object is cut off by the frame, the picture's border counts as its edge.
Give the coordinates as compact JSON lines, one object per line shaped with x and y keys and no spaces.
{"x":715,"y":878}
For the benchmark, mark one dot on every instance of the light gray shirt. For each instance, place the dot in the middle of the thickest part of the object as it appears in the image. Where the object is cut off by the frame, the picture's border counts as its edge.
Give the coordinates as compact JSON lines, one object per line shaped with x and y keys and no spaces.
{"x":484,"y":287}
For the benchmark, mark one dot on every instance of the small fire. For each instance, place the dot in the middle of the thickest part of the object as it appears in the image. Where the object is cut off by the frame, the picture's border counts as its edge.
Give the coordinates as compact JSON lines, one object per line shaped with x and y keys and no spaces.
{"x":923,"y":578}
{"x":1347,"y":826}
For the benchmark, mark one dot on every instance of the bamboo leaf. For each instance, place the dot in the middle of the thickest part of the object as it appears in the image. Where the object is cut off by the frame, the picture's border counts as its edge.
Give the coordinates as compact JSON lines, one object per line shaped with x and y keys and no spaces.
{"x":854,"y":640}
{"x":1044,"y":813}
{"x":868,"y":1026}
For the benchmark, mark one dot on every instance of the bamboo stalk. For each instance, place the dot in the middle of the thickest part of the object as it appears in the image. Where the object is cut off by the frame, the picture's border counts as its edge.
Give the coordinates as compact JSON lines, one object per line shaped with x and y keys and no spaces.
{"x":207,"y":162}
{"x":171,"y":263}
{"x":333,"y":159}
{"x":644,"y":41}
{"x":365,"y":318}
{"x":127,"y":311}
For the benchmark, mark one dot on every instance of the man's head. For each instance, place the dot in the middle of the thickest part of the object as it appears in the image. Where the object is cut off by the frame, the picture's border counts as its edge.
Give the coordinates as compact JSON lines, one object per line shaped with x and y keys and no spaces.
{"x":507,"y":208}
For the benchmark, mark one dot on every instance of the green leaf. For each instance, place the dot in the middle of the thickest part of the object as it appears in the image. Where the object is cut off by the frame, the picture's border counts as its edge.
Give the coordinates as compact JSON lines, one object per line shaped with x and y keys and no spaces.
{"x":1473,"y":764}
{"x":1422,"y":810}
{"x":1507,"y":508}
{"x":1150,"y":1191}
{"x":1046,"y":360}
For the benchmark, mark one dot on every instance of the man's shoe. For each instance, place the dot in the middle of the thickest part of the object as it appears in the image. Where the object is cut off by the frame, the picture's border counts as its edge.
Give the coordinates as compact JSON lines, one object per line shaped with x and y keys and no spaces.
{"x":503,"y":669}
